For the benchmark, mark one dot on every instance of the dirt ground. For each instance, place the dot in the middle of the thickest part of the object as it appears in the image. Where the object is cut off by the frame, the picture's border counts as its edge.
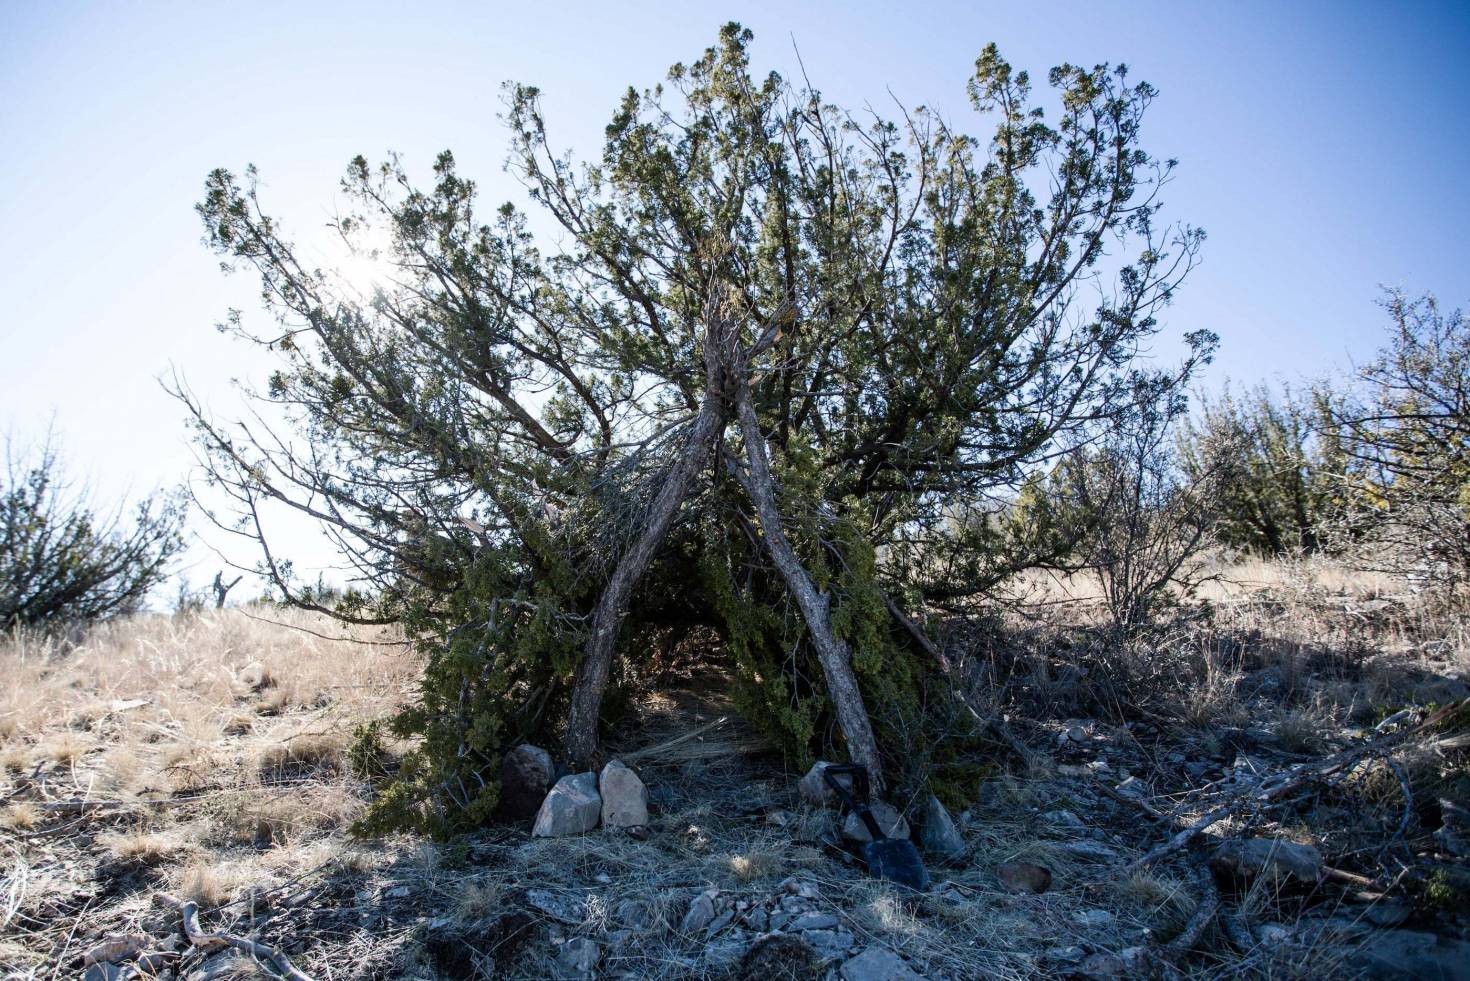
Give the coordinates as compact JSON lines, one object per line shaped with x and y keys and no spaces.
{"x":203,"y":758}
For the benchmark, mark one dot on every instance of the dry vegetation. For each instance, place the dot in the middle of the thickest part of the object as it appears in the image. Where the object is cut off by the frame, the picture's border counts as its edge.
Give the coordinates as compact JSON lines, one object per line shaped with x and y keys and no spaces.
{"x":205,"y":756}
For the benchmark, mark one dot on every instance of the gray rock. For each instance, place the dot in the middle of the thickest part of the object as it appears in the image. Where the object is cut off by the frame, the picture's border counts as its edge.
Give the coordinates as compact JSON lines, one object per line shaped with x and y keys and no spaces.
{"x":813,"y":921}
{"x":723,"y":955}
{"x":1091,"y":918}
{"x":878,"y":964}
{"x":804,"y":888}
{"x":624,"y":798}
{"x":938,"y":835}
{"x":577,"y":959}
{"x":1093,"y":851}
{"x":1404,"y":954}
{"x":701,"y":913}
{"x":889,"y":821}
{"x":526,"y":774}
{"x":830,"y":945}
{"x":1064,"y":955}
{"x":1273,"y":858}
{"x":758,"y":920}
{"x":572,"y":807}
{"x":571,"y":910}
{"x":719,"y":923}
{"x":813,"y":787}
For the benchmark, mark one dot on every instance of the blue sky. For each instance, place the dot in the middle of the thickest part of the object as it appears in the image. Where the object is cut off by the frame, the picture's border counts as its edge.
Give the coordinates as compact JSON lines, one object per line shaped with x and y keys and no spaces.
{"x":1322,"y":146}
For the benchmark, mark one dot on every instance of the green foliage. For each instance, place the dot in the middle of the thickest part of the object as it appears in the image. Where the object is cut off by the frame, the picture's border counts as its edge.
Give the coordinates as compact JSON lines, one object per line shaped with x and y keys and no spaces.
{"x":488,"y":429}
{"x":1288,"y":482}
{"x":64,"y":560}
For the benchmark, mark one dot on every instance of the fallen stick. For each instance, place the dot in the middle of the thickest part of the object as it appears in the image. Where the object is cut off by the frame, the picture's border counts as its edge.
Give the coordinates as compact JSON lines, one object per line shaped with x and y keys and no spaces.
{"x":273,"y":956}
{"x":1209,"y":905}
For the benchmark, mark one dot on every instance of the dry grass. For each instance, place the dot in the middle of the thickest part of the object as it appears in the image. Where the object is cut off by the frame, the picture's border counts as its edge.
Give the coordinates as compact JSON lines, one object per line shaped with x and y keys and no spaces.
{"x":218,"y":743}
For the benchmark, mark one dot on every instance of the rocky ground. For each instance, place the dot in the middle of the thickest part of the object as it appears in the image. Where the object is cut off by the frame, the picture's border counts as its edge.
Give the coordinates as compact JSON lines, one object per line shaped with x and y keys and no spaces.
{"x":1274,"y":790}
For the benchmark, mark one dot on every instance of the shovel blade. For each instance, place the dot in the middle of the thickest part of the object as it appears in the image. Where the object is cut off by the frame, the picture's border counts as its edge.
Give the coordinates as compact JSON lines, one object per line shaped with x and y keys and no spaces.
{"x":897,"y":861}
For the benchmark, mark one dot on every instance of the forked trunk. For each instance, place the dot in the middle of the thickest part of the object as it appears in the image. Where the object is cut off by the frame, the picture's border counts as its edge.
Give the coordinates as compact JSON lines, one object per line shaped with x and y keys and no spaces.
{"x":590,"y":681}
{"x":832,"y":651}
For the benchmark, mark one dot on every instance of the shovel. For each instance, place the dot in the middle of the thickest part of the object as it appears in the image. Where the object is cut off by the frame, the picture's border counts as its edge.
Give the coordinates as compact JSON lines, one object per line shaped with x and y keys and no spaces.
{"x":894,"y":859}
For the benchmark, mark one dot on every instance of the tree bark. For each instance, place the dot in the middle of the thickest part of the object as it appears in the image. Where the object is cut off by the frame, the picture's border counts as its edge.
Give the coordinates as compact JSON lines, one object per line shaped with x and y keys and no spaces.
{"x":832,"y":651}
{"x":590,"y":681}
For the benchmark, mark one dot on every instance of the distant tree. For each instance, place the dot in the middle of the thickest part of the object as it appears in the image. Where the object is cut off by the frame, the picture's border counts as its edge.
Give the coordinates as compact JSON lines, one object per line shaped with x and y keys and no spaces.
{"x":1287,"y":479}
{"x":65,"y":559}
{"x":771,"y":350}
{"x":1409,"y":432}
{"x":1129,"y":511}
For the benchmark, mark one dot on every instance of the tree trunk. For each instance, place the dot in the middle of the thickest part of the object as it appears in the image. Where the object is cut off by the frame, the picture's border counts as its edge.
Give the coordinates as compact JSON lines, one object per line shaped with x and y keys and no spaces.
{"x":832,"y":652}
{"x":590,"y":681}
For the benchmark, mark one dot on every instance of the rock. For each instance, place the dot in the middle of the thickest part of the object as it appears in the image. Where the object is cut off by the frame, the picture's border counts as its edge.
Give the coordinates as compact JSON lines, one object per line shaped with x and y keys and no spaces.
{"x":877,"y":964}
{"x":1454,"y":833}
{"x":813,"y":921}
{"x":701,"y":913}
{"x":813,"y":787}
{"x":577,"y":959}
{"x":570,"y":910}
{"x":1404,"y":954}
{"x":526,"y":774}
{"x":724,"y":954}
{"x":758,"y":920}
{"x":572,"y":807}
{"x":1064,"y":955}
{"x":719,"y":923}
{"x":1386,"y":913}
{"x":830,"y":945}
{"x":1133,"y":788}
{"x":889,"y":821}
{"x":1024,"y":877}
{"x":1092,"y":918}
{"x":634,"y":915}
{"x":1063,"y":820}
{"x":1131,"y":962}
{"x":624,"y":798}
{"x":1273,"y":934}
{"x":804,"y":888}
{"x":253,"y":676}
{"x":938,"y":835}
{"x":1093,"y":851}
{"x":1274,"y":858}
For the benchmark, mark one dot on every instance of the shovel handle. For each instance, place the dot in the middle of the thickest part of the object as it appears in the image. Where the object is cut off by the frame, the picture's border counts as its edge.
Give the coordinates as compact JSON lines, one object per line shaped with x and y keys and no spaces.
{"x":858,"y":806}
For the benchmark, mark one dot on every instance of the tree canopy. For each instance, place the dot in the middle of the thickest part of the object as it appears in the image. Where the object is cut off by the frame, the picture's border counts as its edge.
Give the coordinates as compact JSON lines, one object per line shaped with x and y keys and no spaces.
{"x":766,"y":379}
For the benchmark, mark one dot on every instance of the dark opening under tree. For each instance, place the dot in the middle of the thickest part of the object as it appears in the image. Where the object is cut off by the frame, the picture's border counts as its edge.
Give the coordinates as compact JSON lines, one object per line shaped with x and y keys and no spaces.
{"x":766,"y":381}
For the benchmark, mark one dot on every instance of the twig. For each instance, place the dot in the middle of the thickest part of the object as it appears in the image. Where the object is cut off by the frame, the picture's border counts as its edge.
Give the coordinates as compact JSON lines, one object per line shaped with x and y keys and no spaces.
{"x":1209,"y":904}
{"x":189,"y":910}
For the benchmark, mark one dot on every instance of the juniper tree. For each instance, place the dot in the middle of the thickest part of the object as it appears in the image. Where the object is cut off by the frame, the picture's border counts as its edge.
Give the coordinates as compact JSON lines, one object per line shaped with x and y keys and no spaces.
{"x":771,"y":353}
{"x":65,"y":557}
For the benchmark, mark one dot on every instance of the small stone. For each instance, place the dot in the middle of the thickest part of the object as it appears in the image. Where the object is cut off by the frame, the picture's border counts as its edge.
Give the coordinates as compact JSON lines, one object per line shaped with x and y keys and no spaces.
{"x":1412,"y":954}
{"x":719,"y":923}
{"x":814,"y":789}
{"x":624,"y":798}
{"x":1273,"y":933}
{"x":890,"y":822}
{"x":1064,"y":955}
{"x":572,"y":807}
{"x":813,"y":921}
{"x":758,"y":920}
{"x":877,"y":964}
{"x":1091,"y":918}
{"x":725,"y":954}
{"x":567,"y":909}
{"x":701,"y":913}
{"x":1024,"y":877}
{"x":577,"y":959}
{"x":526,"y":774}
{"x":1272,"y":857}
{"x":1063,"y":819}
{"x":1093,"y":851}
{"x":804,"y":888}
{"x":937,"y":832}
{"x":829,"y":944}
